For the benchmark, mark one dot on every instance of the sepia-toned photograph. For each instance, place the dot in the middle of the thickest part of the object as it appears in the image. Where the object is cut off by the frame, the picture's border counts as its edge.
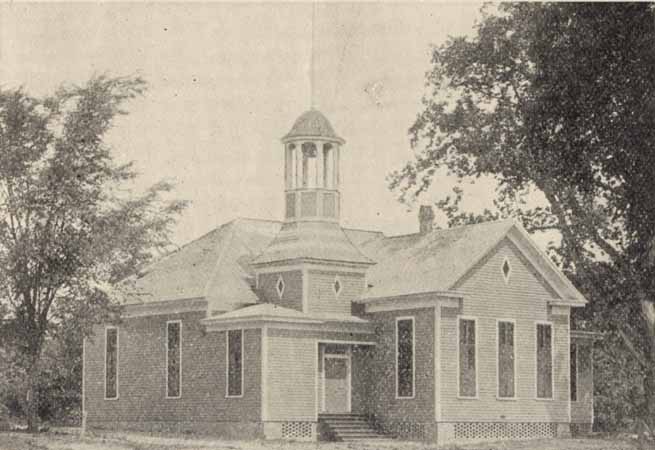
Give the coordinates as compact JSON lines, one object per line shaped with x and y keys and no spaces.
{"x":303,"y":225}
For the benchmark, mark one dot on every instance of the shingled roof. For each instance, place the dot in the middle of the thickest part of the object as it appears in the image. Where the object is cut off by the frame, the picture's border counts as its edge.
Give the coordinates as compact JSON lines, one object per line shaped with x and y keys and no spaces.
{"x":428,"y":262}
{"x":436,"y":261}
{"x":217,"y":266}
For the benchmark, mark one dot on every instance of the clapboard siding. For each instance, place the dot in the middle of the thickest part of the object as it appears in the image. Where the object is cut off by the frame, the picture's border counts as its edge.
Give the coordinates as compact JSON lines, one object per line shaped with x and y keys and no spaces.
{"x":322,"y":298}
{"x":292,"y":294}
{"x":292,"y":375}
{"x":524,"y":299}
{"x":385,"y":405}
{"x":142,"y":374}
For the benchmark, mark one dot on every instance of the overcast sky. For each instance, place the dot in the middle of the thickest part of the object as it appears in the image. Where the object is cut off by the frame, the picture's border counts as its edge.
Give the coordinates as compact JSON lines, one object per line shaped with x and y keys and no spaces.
{"x":226,"y":81}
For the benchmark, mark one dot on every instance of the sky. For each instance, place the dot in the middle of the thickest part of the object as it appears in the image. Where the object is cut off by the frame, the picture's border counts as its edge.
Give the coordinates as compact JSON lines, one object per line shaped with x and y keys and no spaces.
{"x":226,"y":82}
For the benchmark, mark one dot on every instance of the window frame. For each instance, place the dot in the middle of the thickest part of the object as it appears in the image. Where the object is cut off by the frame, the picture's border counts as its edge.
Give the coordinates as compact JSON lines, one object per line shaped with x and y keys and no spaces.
{"x":278,"y":290}
{"x":498,"y":322}
{"x":536,"y":360}
{"x":507,"y":277}
{"x":337,"y":279}
{"x":168,"y":323}
{"x":477,"y":352}
{"x":227,"y":363}
{"x":107,"y":328}
{"x":397,"y":344}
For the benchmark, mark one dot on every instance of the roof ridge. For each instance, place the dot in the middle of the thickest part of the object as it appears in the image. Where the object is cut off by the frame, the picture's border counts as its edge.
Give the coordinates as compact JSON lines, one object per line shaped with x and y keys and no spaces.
{"x":458,"y":227}
{"x":144,"y":270}
{"x":221,"y":253}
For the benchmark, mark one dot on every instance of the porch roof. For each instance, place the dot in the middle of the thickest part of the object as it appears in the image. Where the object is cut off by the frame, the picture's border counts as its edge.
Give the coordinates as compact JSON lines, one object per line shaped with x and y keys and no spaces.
{"x":276,"y":313}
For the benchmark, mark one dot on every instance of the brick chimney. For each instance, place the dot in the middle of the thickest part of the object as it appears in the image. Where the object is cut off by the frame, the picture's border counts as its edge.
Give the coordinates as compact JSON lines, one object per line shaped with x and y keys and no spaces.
{"x":425,"y":219}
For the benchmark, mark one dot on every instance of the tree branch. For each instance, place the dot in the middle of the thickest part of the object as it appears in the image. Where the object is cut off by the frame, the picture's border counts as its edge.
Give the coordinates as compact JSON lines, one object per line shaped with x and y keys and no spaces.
{"x":630,"y":346}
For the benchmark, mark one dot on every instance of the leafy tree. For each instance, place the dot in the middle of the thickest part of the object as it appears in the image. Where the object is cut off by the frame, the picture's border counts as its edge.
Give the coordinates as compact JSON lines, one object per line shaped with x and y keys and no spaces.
{"x":557,"y":100}
{"x":69,"y":226}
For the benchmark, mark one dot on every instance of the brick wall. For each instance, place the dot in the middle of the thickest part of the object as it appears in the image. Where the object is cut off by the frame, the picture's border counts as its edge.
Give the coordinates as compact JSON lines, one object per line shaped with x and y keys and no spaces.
{"x":142,"y":376}
{"x":292,"y":295}
{"x":384,"y":404}
{"x":322,"y":298}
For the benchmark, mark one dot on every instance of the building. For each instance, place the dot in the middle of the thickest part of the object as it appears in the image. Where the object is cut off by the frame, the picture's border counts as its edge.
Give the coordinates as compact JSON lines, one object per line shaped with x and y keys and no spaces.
{"x":302,"y":329}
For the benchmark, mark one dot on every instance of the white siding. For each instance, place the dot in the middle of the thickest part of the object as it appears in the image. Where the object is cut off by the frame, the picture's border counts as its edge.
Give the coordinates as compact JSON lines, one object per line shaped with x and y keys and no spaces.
{"x":488,"y":297}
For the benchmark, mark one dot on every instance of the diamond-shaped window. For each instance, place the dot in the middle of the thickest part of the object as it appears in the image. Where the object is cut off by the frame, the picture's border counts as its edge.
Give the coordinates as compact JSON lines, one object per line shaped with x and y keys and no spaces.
{"x":337,"y":286}
{"x":507,"y":270}
{"x":279,"y":286}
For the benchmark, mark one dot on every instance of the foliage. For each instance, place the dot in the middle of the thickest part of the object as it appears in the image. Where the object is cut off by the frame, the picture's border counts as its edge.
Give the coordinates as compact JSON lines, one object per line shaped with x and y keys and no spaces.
{"x":558,"y":100}
{"x":69,"y":226}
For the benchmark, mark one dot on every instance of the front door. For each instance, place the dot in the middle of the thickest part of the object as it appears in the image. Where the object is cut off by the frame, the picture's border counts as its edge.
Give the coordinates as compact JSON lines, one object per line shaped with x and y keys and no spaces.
{"x":336,"y":383}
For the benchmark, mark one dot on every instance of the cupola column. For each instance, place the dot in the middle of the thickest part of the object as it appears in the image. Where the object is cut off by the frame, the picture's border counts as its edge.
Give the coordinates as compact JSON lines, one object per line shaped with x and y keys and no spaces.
{"x":320,"y":181}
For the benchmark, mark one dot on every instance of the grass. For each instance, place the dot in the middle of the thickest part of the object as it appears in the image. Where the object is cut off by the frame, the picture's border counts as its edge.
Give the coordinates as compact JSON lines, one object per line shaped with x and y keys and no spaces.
{"x":57,"y":440}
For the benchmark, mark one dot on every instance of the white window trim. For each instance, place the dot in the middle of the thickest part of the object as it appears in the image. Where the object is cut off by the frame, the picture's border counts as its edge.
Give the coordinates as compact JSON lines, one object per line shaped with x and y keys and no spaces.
{"x":398,"y":319}
{"x":180,"y":362}
{"x":104,"y":394}
{"x":498,"y":322}
{"x":536,"y":360}
{"x":577,"y":370}
{"x":280,"y":292}
{"x":227,"y":363}
{"x":509,"y":273}
{"x":477,"y":352}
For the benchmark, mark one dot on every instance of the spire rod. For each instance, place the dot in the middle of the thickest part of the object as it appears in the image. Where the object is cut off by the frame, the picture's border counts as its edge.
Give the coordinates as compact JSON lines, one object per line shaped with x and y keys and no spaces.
{"x":311,"y":64}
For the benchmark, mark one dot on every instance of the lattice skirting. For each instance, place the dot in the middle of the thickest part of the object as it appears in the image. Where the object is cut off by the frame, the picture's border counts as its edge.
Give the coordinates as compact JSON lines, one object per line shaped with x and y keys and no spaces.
{"x":501,"y":430}
{"x":298,"y":430}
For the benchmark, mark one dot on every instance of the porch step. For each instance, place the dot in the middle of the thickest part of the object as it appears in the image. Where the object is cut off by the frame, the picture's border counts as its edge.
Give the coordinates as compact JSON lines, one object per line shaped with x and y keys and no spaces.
{"x":349,"y":427}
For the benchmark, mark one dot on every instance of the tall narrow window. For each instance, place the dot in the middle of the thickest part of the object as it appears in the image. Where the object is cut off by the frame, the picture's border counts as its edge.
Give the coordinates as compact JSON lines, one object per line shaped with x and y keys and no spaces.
{"x":405,"y":357}
{"x":574,"y":373}
{"x":467,"y":358}
{"x":544,"y":360}
{"x":111,"y":363}
{"x":173,"y":359}
{"x":506,"y":359}
{"x":235,"y":363}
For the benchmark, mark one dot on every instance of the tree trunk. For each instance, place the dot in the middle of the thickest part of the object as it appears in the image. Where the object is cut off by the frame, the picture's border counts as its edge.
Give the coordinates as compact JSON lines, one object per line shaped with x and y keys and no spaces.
{"x":648,"y":310}
{"x":32,"y":398}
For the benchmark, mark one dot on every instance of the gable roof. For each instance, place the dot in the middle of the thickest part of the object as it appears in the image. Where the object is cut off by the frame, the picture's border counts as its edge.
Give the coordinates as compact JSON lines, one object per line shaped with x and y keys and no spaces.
{"x":428,"y":262}
{"x":436,"y":261}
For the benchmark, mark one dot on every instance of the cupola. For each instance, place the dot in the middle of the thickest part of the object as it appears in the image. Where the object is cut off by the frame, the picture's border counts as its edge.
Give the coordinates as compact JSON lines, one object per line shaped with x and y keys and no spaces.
{"x":312,"y":169}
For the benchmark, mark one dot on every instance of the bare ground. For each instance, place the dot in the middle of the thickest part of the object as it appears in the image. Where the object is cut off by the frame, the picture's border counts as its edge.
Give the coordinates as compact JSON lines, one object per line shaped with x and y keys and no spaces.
{"x":139,"y":441}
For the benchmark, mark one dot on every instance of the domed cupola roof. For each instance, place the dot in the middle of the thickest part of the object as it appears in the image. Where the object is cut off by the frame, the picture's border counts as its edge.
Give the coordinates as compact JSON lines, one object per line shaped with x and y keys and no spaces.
{"x":312,"y":124}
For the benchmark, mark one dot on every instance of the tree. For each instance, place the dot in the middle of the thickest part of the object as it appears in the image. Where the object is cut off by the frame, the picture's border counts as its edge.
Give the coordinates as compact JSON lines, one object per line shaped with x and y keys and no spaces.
{"x":556,"y":99}
{"x":69,"y":226}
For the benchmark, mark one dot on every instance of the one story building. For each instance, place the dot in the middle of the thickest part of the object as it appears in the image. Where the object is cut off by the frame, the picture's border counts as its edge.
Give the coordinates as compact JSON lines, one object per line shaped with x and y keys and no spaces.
{"x":301,"y":329}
